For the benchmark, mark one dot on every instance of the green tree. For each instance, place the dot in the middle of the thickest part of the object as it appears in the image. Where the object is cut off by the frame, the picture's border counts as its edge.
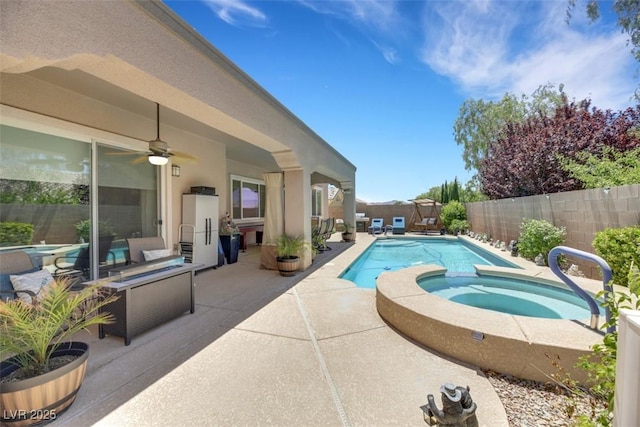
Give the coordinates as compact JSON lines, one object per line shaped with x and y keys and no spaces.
{"x":608,"y":169}
{"x":433,"y":194}
{"x":454,"y":192}
{"x":480,"y":122}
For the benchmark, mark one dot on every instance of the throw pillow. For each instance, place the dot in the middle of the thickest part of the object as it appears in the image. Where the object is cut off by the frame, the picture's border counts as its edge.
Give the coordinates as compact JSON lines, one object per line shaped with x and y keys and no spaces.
{"x":155,"y":254}
{"x":34,"y":282}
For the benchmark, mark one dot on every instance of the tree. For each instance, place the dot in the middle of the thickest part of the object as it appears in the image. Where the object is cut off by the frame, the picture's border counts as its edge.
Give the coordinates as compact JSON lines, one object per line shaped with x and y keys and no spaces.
{"x":525,"y":161}
{"x":605,"y":169}
{"x":454,"y":192}
{"x":481,"y":122}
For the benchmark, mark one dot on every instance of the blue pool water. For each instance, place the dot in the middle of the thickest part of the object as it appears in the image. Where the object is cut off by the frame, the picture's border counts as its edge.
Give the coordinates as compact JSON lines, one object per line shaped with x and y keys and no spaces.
{"x":509,"y":295}
{"x":394,"y":254}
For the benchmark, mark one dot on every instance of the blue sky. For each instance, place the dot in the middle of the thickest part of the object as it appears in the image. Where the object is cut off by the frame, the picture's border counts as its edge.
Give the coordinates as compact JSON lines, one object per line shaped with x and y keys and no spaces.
{"x":382,"y":81}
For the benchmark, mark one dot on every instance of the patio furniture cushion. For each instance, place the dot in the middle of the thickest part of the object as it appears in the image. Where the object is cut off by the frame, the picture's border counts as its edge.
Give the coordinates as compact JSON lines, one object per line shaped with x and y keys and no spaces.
{"x":6,"y":288}
{"x":156,"y":253}
{"x":138,"y":244}
{"x":34,"y":282}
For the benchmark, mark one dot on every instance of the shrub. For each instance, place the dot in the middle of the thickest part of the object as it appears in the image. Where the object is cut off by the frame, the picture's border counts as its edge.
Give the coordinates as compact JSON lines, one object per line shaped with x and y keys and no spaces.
{"x":538,"y":236}
{"x":15,"y":233}
{"x":452,"y":211}
{"x":459,"y":225}
{"x":619,"y":247}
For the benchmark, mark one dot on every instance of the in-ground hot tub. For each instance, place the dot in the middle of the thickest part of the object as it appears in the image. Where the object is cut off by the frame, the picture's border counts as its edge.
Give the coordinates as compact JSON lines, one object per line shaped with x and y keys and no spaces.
{"x":526,"y":347}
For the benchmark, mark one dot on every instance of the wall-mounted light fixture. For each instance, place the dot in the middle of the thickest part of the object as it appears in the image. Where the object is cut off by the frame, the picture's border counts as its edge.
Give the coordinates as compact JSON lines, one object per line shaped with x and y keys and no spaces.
{"x":547,"y":196}
{"x":175,"y":170}
{"x":606,"y":190}
{"x":513,"y":200}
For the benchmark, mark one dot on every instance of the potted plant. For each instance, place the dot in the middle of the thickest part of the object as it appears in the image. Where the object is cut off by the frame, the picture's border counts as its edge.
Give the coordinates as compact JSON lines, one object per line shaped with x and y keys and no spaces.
{"x":347,"y":233}
{"x":288,"y":253}
{"x":44,"y":369}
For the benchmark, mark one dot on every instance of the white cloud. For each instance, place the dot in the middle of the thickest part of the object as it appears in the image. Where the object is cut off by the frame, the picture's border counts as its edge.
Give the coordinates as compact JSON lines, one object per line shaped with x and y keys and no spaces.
{"x":492,"y":47}
{"x":237,"y":12}
{"x":378,"y":19}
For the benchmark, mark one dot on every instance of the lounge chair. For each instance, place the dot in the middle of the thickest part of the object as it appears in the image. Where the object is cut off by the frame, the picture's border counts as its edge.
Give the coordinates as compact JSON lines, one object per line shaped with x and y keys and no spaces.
{"x":377,"y":226}
{"x":398,"y":225}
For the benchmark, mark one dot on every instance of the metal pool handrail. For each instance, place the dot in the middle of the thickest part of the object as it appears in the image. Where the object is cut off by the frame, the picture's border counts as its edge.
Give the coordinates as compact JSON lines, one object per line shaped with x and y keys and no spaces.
{"x":606,"y":277}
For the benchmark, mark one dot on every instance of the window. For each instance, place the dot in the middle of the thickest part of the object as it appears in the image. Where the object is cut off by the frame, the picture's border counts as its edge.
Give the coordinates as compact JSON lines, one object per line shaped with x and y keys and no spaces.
{"x":248,"y":198}
{"x":316,"y":201}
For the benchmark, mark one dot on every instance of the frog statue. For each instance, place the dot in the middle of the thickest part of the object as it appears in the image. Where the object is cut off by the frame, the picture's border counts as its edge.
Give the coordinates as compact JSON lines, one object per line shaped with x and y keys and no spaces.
{"x":458,"y":410}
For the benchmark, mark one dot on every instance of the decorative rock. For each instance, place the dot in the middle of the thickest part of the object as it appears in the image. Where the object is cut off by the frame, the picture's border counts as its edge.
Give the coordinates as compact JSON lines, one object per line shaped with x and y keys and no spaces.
{"x":574,"y":271}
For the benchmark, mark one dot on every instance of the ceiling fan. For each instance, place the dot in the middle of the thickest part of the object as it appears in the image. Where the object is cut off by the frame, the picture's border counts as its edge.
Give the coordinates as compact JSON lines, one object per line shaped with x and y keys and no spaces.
{"x":159,"y":151}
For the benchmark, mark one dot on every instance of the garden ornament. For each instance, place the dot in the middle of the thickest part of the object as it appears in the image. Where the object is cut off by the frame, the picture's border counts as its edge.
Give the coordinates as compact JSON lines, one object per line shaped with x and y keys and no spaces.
{"x":458,"y":409}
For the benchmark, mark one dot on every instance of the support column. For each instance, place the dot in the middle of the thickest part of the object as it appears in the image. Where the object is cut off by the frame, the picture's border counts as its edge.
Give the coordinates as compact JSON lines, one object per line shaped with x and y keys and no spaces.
{"x":349,"y":203}
{"x":297,"y":209}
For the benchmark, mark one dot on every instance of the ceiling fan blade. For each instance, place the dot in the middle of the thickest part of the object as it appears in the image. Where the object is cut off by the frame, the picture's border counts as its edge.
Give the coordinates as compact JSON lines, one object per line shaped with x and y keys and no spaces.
{"x":139,"y":160}
{"x":184,"y":157}
{"x":124,"y":153}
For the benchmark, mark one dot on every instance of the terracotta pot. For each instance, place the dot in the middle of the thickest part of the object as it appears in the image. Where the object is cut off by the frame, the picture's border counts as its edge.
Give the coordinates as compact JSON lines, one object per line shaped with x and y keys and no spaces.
{"x":288,"y":266}
{"x":41,"y":399}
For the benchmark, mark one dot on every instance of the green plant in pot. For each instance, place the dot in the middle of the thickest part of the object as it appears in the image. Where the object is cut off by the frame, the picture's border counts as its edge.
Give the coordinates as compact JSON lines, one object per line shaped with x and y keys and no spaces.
{"x":45,"y":369}
{"x":347,"y":234}
{"x":288,"y":251}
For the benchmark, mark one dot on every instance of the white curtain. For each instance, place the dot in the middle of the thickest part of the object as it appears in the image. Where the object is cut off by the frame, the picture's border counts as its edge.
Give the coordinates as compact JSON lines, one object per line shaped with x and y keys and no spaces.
{"x":273,"y":219}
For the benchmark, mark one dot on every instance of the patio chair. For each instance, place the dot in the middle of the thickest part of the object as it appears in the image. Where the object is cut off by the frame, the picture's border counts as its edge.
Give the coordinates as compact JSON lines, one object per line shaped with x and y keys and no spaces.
{"x":377,"y":226}
{"x":331,"y":222}
{"x":15,"y":263}
{"x":79,"y":266}
{"x":398,"y":225}
{"x":138,"y":245}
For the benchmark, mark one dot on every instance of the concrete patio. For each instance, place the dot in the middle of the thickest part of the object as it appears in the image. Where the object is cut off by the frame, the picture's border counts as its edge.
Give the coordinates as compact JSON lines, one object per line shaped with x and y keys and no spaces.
{"x":262,"y":349}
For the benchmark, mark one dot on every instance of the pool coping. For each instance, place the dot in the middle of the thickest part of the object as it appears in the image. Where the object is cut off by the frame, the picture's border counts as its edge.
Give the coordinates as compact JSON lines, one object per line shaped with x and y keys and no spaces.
{"x":530,"y":348}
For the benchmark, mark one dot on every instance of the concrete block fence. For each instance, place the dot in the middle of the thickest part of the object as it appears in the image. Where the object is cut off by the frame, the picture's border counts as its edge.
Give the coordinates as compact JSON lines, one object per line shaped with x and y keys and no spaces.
{"x":583,"y":213}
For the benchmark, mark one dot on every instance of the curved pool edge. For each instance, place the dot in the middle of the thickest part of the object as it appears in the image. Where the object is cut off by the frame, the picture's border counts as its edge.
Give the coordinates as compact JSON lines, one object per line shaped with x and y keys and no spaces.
{"x":521,"y":346}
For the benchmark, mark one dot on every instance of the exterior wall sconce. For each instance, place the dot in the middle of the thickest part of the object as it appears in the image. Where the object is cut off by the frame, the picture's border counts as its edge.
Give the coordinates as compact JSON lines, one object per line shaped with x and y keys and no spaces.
{"x":606,"y":190}
{"x":547,"y":196}
{"x":175,"y":170}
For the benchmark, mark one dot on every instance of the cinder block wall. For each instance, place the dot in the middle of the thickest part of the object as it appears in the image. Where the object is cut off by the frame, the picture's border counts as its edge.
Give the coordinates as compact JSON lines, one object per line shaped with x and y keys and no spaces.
{"x":583,"y":213}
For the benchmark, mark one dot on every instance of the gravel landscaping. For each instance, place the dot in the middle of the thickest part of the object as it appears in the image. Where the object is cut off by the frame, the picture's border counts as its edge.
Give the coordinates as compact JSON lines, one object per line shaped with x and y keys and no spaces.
{"x":535,"y":404}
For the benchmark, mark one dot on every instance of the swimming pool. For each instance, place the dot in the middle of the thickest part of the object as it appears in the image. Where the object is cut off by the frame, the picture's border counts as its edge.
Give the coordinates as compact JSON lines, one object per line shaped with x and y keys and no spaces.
{"x":509,"y":295}
{"x":392,"y":254}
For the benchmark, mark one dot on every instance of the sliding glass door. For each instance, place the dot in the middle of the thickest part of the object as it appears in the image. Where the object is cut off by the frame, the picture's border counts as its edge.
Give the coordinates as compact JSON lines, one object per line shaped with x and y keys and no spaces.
{"x":51,"y":189}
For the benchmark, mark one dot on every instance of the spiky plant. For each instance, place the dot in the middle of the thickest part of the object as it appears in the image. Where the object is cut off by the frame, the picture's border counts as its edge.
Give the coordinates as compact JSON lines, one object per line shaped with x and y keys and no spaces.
{"x":31,"y":332}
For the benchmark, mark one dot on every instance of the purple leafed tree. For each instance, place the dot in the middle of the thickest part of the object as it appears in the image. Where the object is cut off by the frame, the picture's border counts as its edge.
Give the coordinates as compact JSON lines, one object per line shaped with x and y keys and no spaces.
{"x":524,"y":162}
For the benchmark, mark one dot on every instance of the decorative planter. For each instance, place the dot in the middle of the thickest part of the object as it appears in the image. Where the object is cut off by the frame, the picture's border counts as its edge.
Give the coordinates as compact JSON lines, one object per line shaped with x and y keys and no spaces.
{"x":348,"y":237}
{"x":288,"y":266}
{"x":41,"y":399}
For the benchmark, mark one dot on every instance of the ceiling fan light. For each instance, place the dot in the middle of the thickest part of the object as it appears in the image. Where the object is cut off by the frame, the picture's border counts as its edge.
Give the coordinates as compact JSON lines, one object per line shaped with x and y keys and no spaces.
{"x":158,"y":159}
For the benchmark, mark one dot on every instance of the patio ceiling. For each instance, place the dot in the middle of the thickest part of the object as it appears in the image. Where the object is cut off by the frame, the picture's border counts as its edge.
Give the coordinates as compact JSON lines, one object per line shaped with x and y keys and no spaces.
{"x":93,"y":87}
